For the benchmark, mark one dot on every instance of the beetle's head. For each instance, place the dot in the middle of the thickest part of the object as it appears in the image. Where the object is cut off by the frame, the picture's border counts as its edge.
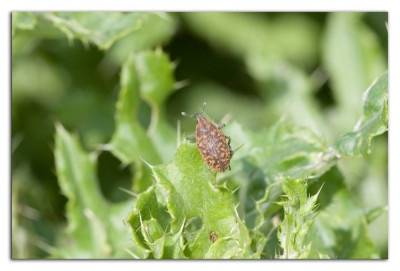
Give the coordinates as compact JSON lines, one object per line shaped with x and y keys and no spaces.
{"x":197,"y":115}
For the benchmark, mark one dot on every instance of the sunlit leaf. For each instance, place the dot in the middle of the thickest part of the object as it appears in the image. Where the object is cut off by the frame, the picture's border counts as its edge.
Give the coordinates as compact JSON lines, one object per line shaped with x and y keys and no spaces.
{"x":130,"y":141}
{"x":299,"y":211}
{"x":352,"y":58}
{"x":280,"y":150}
{"x":340,"y":229}
{"x":157,"y":29}
{"x":373,"y":121}
{"x":187,"y":189}
{"x":100,"y":28}
{"x":155,"y":73}
{"x":95,"y":228}
{"x":149,"y":76}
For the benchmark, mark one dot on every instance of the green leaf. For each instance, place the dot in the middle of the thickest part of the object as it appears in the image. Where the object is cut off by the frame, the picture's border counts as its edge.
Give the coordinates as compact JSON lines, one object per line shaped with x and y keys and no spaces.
{"x":130,"y":141}
{"x":23,"y":20}
{"x":342,"y":57}
{"x":373,"y":121}
{"x":147,"y":75}
{"x":147,"y":215}
{"x":247,"y":35}
{"x":290,"y":92}
{"x":299,"y":211}
{"x":353,"y":58}
{"x":340,"y":229}
{"x":46,"y":91}
{"x":279,"y":151}
{"x":156,"y":76}
{"x":260,"y":236}
{"x":157,"y":29}
{"x":266,"y":156}
{"x":375,"y":213}
{"x":343,"y":230}
{"x":187,"y":188}
{"x":100,"y":28}
{"x":95,"y":228}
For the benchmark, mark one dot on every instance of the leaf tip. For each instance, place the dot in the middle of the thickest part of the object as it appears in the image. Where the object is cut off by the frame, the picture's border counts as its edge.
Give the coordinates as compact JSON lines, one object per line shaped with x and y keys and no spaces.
{"x":59,"y":127}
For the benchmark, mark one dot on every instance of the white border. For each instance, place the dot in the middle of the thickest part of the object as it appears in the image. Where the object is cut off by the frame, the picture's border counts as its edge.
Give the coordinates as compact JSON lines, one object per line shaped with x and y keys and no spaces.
{"x":204,"y":5}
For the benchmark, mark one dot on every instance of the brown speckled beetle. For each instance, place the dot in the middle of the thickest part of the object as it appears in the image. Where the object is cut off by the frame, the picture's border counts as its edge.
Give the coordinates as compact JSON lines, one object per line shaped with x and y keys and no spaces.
{"x":212,"y":143}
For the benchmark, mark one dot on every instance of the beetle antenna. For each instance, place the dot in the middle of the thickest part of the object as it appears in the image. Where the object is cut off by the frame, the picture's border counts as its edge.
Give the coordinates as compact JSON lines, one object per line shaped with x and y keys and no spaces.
{"x":187,"y":115}
{"x":194,"y":115}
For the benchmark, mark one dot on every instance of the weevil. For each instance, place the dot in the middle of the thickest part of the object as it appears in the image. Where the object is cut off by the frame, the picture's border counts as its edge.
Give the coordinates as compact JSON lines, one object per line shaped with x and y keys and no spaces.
{"x":214,"y":146}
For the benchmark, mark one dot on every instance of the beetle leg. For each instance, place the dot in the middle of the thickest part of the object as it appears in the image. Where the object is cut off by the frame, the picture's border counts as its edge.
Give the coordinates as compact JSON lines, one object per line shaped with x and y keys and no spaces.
{"x":221,"y":126}
{"x":191,"y":138}
{"x":229,"y":144}
{"x":229,"y":167}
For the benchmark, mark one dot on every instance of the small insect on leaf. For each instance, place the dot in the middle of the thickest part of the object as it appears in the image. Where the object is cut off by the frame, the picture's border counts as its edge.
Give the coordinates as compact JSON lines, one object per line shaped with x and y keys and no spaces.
{"x":214,"y":146}
{"x":213,"y":236}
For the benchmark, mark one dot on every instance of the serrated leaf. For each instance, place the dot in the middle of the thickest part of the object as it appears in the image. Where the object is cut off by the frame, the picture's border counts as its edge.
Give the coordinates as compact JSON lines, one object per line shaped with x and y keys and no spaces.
{"x":299,"y":214}
{"x":343,"y":230}
{"x":156,"y":30}
{"x":130,"y":141}
{"x":373,"y":121}
{"x":266,"y":156}
{"x":193,"y":193}
{"x":148,"y":208}
{"x":259,"y":238}
{"x":353,"y":58}
{"x":188,"y":189}
{"x":148,"y":75}
{"x":340,"y":229}
{"x":156,"y":76}
{"x":155,"y":73}
{"x":95,"y":228}
{"x":280,"y":151}
{"x":100,"y":28}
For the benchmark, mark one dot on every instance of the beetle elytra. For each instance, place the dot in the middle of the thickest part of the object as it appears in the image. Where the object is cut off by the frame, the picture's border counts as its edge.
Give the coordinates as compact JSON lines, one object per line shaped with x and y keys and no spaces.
{"x":213,"y":145}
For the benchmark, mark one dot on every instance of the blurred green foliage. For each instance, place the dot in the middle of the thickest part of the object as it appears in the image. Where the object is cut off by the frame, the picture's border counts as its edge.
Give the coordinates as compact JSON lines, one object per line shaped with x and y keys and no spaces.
{"x":100,"y":167}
